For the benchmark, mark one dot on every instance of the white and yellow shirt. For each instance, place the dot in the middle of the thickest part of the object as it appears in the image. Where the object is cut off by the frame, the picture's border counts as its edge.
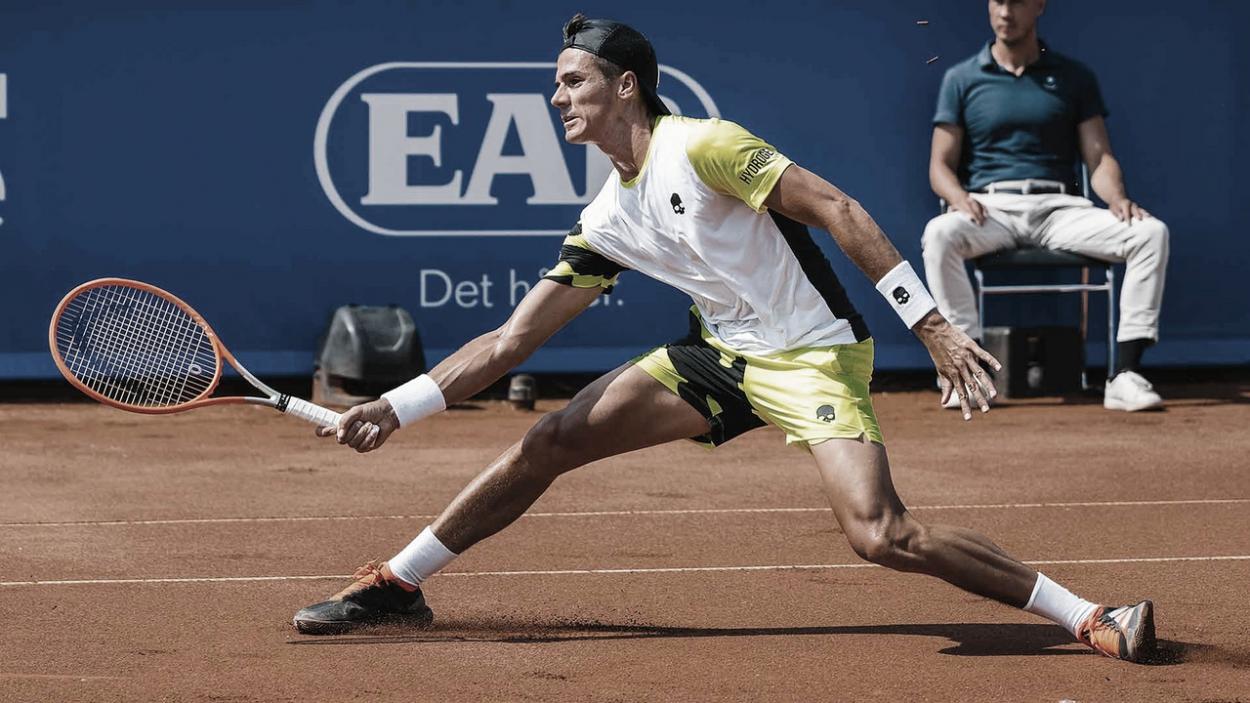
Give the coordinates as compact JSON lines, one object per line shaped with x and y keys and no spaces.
{"x":694,"y":218}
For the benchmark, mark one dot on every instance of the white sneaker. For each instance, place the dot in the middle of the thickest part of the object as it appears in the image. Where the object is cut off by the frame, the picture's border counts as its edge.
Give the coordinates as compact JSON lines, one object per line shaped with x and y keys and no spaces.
{"x":1129,"y":391}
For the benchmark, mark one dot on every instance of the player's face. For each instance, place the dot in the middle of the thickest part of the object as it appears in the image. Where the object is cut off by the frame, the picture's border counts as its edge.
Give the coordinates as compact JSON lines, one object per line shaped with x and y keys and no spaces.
{"x":584,"y":96}
{"x":1015,"y":20}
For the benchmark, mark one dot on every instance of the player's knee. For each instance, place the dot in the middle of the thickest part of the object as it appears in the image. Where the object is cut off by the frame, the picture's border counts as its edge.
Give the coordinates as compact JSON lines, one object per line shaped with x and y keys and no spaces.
{"x":890,"y":541}
{"x":550,"y":442}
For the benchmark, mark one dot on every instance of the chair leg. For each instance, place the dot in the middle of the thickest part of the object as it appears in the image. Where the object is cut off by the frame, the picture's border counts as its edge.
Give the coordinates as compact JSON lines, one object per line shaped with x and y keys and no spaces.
{"x":980,"y":279}
{"x":1110,"y":321}
{"x":1084,"y":326}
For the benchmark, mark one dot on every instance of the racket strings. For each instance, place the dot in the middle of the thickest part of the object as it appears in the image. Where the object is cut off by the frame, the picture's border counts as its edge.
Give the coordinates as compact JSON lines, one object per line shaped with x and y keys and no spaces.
{"x":134,"y":347}
{"x":138,"y":344}
{"x":154,"y":365}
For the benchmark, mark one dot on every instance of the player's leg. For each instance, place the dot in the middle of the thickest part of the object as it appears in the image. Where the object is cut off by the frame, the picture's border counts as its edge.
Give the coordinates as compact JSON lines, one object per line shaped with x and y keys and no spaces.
{"x":948,"y":241}
{"x":820,"y":397}
{"x":856,"y":476}
{"x":622,"y":411}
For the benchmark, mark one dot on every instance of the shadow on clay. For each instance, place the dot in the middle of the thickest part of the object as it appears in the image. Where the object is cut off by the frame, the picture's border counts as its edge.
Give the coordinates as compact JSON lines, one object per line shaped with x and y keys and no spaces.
{"x":969,"y":640}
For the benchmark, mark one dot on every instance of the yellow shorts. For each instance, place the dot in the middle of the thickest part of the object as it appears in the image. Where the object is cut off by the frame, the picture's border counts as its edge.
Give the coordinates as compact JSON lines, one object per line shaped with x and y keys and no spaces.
{"x":812,"y":394}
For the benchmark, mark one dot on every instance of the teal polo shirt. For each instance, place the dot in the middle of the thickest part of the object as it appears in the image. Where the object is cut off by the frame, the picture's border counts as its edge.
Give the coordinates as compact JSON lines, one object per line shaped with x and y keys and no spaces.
{"x":1018,"y":127}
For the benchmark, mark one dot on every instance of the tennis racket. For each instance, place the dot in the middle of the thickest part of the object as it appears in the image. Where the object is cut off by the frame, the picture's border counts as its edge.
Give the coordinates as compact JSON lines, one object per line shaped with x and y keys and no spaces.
{"x":136,"y":347}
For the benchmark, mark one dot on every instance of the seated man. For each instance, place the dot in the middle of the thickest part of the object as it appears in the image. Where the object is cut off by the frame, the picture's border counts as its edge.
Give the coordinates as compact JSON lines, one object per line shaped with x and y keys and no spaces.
{"x":1011,"y":121}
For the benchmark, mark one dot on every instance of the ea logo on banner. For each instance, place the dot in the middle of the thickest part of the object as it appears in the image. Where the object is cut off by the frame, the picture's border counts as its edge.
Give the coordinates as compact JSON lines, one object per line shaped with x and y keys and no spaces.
{"x":470,"y":149}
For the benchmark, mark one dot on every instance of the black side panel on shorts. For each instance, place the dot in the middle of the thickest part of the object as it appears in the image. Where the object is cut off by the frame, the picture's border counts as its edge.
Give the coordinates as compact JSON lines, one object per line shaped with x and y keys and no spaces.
{"x":820,"y":273}
{"x":699,"y":364}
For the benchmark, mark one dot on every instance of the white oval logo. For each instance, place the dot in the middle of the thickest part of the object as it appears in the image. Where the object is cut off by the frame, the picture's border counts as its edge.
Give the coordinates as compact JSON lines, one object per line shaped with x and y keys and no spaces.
{"x":463,"y":149}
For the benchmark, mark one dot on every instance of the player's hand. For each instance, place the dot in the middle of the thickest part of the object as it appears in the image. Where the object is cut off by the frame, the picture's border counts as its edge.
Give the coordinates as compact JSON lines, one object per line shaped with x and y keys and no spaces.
{"x":958,"y":360}
{"x":971,"y":207}
{"x":1126,"y":210}
{"x":364,"y":427}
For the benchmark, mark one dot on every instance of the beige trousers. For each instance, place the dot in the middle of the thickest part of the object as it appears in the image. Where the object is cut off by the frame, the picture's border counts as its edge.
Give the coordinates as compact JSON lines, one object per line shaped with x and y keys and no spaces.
{"x":1050,"y":221}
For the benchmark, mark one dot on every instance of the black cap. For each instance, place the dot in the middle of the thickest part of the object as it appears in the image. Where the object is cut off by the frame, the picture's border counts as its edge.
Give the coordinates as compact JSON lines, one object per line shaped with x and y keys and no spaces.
{"x":622,"y":45}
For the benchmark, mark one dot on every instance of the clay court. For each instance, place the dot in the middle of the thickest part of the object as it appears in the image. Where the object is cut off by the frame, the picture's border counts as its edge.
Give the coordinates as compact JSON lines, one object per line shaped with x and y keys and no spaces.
{"x":161,"y":558}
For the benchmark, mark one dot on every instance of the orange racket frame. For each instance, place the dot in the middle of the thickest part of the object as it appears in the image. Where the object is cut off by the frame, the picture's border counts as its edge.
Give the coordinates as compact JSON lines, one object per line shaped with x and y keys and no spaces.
{"x":279,"y":401}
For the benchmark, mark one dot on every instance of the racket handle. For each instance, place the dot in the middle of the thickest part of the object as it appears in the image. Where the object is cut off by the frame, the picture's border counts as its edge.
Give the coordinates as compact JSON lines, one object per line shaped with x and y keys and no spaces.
{"x":310,"y":412}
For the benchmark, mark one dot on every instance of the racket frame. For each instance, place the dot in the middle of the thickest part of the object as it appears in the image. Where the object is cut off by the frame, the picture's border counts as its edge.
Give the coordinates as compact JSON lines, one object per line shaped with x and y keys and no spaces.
{"x":281,"y":402}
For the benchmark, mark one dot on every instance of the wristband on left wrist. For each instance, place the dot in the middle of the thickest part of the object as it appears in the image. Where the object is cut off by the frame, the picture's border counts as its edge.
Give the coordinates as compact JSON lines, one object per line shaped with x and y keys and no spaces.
{"x":902,"y":289}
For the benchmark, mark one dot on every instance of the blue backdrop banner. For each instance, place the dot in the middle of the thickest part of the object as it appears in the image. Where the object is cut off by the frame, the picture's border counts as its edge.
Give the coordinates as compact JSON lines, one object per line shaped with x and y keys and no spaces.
{"x":268,"y":160}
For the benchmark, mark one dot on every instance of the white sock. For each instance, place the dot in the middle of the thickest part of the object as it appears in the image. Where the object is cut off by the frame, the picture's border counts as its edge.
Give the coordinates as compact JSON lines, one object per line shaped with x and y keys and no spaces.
{"x":1058,"y":605}
{"x":421,"y":559}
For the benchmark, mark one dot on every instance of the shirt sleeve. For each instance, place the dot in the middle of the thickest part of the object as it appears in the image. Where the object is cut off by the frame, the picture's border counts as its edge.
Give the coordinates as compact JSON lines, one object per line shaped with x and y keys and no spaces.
{"x":1090,"y":99}
{"x":582,"y":267}
{"x":732,"y":161}
{"x":950,"y":104}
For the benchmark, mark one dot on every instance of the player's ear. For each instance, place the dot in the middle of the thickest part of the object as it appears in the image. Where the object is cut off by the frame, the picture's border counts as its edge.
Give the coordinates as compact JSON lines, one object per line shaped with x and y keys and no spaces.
{"x":626,"y":85}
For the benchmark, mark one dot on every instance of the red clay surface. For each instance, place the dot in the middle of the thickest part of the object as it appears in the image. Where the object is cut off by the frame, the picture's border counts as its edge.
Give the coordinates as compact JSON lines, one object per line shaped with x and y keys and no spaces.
{"x":95,"y":495}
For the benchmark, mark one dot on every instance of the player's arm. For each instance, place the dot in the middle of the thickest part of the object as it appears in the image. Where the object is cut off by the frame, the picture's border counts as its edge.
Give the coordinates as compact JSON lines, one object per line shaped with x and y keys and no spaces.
{"x":1105,"y":176}
{"x":944,"y":156}
{"x":548,"y":307}
{"x":805,"y":197}
{"x":545,"y":309}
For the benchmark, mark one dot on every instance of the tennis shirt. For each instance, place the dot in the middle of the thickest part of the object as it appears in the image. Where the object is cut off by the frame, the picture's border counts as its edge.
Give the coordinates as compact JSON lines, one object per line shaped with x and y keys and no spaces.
{"x":694,"y":218}
{"x":1018,"y":127}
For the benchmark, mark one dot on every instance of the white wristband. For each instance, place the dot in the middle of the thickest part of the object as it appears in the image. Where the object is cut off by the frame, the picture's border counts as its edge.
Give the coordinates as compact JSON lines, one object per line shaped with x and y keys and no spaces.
{"x":415,"y":400}
{"x":902,"y":289}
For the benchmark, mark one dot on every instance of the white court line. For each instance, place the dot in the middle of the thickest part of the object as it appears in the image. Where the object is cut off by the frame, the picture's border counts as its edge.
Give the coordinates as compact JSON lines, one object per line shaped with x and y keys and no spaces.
{"x":596,"y":572}
{"x":60,"y":677}
{"x":618,"y":513}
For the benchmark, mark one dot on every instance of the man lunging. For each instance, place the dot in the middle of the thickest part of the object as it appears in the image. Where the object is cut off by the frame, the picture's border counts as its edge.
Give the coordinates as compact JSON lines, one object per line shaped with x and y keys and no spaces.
{"x":712,"y":210}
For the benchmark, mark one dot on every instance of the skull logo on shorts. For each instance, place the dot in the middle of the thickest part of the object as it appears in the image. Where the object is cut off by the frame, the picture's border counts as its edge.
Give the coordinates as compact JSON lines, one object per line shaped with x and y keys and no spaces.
{"x":825,"y":413}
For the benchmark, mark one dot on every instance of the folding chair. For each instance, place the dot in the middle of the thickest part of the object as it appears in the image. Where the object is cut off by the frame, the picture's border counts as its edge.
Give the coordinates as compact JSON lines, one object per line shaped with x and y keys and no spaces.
{"x":1035,"y":258}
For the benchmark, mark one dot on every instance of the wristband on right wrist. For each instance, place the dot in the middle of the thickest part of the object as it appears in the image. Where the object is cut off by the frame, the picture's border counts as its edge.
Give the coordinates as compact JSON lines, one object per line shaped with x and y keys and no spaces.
{"x":416,"y":400}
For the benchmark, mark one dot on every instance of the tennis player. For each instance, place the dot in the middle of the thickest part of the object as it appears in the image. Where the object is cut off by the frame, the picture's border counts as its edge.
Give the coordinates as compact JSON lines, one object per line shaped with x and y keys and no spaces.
{"x":707,"y":207}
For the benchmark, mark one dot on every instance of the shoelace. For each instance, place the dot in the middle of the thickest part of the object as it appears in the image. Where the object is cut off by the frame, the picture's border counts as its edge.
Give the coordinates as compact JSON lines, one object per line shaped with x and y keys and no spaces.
{"x":374,"y":569}
{"x":366,"y":576}
{"x":1102,"y":627}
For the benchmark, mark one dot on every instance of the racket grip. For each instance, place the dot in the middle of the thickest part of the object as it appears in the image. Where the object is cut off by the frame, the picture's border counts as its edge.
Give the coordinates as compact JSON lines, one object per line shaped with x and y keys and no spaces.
{"x":311,"y":412}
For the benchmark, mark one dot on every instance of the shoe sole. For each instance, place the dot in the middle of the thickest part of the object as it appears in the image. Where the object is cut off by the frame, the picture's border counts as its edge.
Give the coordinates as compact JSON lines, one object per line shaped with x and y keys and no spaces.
{"x":1143,"y":645}
{"x":337,"y":627}
{"x":1121,"y":405}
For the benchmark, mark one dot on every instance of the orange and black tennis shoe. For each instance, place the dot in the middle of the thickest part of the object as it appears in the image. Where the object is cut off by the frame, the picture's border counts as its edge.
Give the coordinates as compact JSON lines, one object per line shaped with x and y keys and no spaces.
{"x":1126,"y":633}
{"x":376,"y":597}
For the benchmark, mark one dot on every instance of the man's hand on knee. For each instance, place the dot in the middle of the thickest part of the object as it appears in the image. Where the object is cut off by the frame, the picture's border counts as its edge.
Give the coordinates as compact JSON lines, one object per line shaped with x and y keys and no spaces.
{"x":971,"y":207}
{"x":1126,"y":210}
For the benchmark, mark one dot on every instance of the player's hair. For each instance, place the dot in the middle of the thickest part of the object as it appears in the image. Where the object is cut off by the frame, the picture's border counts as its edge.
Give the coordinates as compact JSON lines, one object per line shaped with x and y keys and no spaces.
{"x":576,"y":24}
